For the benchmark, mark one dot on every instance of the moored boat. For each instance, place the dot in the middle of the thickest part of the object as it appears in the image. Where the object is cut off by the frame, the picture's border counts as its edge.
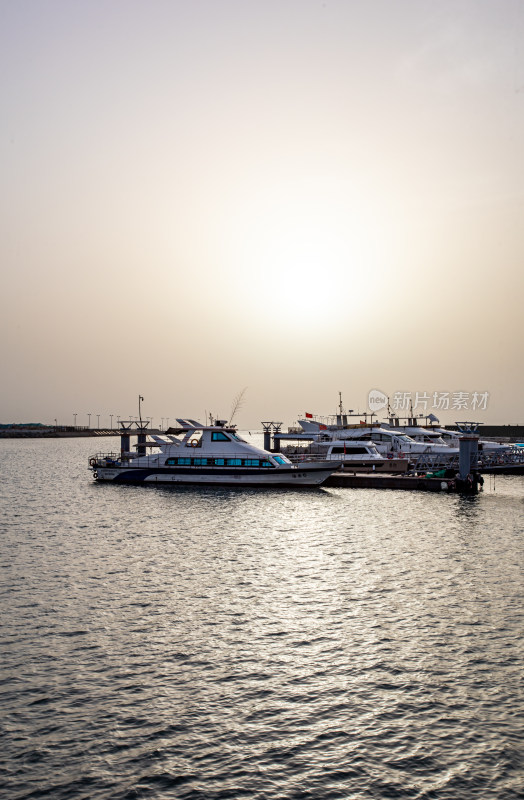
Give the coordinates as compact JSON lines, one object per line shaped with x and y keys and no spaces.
{"x":205,"y":454}
{"x":355,"y":456}
{"x":388,"y":441}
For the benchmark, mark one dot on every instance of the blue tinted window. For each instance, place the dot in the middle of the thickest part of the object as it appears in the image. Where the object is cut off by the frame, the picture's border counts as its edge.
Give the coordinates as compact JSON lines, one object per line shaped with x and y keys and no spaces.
{"x":185,"y":461}
{"x":219,"y":462}
{"x":252,"y":462}
{"x":198,"y":462}
{"x":171,"y":462}
{"x":279,"y":459}
{"x":265,"y":464}
{"x":234,"y":462}
{"x":218,"y":436}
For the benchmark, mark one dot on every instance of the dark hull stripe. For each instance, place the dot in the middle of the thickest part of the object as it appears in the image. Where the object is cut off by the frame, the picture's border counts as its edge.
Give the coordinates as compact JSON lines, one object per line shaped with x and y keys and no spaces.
{"x":234,"y":476}
{"x":282,"y":483}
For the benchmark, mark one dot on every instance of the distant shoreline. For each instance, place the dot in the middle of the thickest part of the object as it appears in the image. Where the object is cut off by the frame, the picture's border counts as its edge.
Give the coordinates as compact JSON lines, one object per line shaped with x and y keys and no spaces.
{"x":506,"y":432}
{"x":53,"y":432}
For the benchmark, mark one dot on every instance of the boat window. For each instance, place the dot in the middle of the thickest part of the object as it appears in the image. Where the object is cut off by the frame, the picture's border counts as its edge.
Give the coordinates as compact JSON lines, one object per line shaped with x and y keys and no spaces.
{"x":234,"y":462}
{"x":219,"y":462}
{"x":218,"y":436}
{"x":170,"y":462}
{"x":199,"y":462}
{"x":237,"y":438}
{"x":184,"y":461}
{"x":350,"y":450}
{"x":265,"y":464}
{"x":252,"y":462}
{"x":279,"y":460}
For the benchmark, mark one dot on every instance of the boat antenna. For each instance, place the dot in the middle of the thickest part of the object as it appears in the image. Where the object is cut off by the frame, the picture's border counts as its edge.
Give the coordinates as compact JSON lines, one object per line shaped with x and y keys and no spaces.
{"x":237,"y":404}
{"x":140,"y":399}
{"x":340,"y":403}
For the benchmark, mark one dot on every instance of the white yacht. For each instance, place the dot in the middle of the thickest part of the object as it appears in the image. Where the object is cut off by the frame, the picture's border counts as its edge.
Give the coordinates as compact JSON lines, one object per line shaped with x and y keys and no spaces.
{"x":205,"y":454}
{"x":452,"y":438}
{"x":434,"y":434}
{"x":359,"y":456}
{"x":387,"y":441}
{"x":424,"y":435}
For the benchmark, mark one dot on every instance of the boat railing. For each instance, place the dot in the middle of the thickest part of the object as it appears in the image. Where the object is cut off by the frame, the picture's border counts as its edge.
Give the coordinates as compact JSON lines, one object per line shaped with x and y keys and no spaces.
{"x":190,"y":458}
{"x":299,"y":455}
{"x":430,"y":462}
{"x":418,"y":462}
{"x":506,"y":458}
{"x":484,"y":460}
{"x":112,"y":456}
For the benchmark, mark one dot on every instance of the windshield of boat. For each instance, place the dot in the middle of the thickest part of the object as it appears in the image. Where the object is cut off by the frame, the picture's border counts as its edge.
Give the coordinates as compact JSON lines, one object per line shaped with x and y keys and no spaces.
{"x":434,"y":438}
{"x":404,"y":438}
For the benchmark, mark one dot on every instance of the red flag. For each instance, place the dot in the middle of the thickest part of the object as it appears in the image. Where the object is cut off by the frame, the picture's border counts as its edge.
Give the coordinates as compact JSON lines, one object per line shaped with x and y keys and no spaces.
{"x":322,"y":427}
{"x":309,"y":416}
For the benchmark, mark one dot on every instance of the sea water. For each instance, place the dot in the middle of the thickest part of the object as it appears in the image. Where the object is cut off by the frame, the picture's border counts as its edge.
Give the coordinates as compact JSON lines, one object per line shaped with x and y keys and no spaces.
{"x":205,"y":643}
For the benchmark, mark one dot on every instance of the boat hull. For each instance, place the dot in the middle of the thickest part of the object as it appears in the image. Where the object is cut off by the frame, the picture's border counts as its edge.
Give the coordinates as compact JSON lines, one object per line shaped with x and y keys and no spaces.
{"x":311,"y":474}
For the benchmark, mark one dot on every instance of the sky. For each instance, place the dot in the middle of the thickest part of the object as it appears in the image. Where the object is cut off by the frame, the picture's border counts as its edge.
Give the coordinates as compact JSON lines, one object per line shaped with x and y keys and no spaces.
{"x":282,"y":198}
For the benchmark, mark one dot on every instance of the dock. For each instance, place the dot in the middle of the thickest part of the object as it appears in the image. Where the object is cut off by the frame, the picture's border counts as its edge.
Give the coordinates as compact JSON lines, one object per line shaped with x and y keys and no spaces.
{"x":371,"y":480}
{"x":441,"y":472}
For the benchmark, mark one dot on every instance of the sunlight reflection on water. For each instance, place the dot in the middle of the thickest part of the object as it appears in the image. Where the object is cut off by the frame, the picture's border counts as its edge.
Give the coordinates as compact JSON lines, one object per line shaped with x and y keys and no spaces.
{"x":203,"y":643}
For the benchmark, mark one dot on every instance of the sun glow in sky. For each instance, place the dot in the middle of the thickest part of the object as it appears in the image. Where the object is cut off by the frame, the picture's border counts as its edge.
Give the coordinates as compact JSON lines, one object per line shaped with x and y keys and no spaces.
{"x":314,"y":250}
{"x":295,"y":196}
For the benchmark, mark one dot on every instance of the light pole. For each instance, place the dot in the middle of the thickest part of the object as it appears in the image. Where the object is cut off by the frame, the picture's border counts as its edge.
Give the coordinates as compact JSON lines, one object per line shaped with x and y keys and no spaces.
{"x":74,"y":417}
{"x":111,"y":421}
{"x":162,"y":423}
{"x":98,"y":421}
{"x":167,"y":423}
{"x":89,"y":420}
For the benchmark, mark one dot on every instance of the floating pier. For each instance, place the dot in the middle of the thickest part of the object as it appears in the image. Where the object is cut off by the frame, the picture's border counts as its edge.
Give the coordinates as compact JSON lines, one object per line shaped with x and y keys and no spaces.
{"x":460,"y":472}
{"x":371,"y":480}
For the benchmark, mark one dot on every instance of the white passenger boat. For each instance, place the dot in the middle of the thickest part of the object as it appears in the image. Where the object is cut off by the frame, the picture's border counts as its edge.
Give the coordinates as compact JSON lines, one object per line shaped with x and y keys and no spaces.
{"x":205,"y":454}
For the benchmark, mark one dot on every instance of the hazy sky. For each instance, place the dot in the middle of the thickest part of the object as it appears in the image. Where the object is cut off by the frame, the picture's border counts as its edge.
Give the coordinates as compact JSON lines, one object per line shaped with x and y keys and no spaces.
{"x":299,"y":197}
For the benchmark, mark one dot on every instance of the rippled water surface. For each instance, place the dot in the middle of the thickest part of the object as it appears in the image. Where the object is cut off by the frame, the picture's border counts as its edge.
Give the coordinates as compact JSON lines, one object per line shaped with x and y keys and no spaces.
{"x":227,"y":643}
